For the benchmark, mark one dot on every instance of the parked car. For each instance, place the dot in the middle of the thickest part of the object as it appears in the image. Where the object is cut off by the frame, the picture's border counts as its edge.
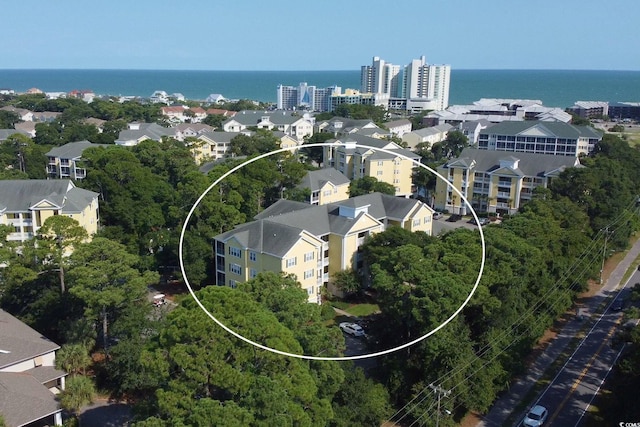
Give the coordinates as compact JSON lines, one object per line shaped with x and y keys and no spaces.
{"x":481,"y":221}
{"x":352,"y":329}
{"x":536,"y":416}
{"x":617,"y":304}
{"x":454,"y":218}
{"x":438,"y":215}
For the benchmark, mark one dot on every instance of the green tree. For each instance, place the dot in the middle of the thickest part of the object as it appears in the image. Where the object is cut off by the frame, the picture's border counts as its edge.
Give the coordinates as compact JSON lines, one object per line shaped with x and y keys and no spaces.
{"x":214,"y":120}
{"x":73,"y":358}
{"x":360,"y":401}
{"x":369,"y":184}
{"x":57,"y":238}
{"x":103,"y":275}
{"x":79,"y":391}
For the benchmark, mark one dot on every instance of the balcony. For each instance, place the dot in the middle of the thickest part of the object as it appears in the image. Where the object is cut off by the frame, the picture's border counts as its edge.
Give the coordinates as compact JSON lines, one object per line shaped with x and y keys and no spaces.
{"x":504,"y":194}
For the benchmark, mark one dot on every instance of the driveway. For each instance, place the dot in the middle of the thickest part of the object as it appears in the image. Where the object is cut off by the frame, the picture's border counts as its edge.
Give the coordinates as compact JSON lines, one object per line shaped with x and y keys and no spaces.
{"x":105,"y":413}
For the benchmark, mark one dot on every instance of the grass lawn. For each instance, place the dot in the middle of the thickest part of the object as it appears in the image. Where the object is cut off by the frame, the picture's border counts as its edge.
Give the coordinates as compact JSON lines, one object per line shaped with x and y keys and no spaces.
{"x":357,"y":310}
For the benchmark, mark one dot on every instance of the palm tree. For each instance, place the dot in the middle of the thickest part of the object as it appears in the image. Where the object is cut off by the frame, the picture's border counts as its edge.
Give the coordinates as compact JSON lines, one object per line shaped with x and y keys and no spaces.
{"x":79,"y":391}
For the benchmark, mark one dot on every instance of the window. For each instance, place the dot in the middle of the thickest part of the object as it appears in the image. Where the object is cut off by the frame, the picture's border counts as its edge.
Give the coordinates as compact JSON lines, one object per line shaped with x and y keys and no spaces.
{"x":252,"y":255}
{"x":308,"y":274}
{"x":252,"y":273}
{"x":232,"y":283}
{"x":291,"y":262}
{"x":235,"y":268}
{"x":310,"y":290}
{"x":380,"y":163}
{"x":309,"y":256}
{"x":379,"y":173}
{"x":236,"y":252}
{"x":326,"y":193}
{"x":427,"y":220}
{"x":416,"y":222}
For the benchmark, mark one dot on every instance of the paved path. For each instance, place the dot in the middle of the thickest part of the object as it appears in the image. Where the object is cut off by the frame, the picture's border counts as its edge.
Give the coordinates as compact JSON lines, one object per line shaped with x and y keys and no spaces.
{"x":503,"y":407}
{"x":103,"y":413}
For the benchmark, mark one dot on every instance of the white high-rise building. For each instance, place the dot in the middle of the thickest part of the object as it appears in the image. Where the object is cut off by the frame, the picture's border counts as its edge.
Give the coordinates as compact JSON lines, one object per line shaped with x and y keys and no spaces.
{"x":423,"y":81}
{"x":380,"y":77}
{"x":305,"y":97}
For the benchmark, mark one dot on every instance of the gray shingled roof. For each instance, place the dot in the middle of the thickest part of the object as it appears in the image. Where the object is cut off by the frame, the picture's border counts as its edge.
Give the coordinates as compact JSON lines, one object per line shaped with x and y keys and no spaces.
{"x":529,"y":165}
{"x":151,"y":130}
{"x":20,"y":341}
{"x":558,"y":129}
{"x":23,"y":399}
{"x":6,"y":133}
{"x":72,"y":150}
{"x":279,"y":226}
{"x":314,"y":180}
{"x":221,"y":136}
{"x":375,"y":143}
{"x":20,"y":195}
{"x":252,"y":118}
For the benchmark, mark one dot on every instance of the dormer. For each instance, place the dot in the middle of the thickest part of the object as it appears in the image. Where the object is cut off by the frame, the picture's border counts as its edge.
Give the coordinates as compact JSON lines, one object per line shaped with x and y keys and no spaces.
{"x":352,"y":212}
{"x":509,"y":162}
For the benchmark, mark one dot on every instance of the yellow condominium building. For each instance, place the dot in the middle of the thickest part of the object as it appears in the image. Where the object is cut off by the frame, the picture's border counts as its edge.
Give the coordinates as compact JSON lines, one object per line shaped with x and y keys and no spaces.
{"x":349,"y":156}
{"x":26,"y":204}
{"x":494,"y":181}
{"x":326,"y":186}
{"x":312,"y":242}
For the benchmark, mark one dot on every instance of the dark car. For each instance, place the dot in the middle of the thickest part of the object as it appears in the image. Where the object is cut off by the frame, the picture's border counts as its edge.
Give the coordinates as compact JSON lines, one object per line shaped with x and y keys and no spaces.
{"x":617,"y":304}
{"x":454,"y":218}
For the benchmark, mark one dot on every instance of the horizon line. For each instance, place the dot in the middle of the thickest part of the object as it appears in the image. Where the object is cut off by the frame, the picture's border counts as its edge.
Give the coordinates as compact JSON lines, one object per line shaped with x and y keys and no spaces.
{"x":294,"y":71}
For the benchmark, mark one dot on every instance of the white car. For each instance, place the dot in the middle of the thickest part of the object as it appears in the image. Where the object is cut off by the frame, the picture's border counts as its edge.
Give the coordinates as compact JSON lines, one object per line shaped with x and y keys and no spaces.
{"x":438,"y":215}
{"x":352,"y":329}
{"x":535,"y":417}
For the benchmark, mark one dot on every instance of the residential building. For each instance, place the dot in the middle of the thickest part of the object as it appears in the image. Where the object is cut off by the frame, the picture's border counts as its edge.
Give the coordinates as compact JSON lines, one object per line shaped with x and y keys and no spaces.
{"x":533,"y":136}
{"x":26,"y":204}
{"x":326,"y":186}
{"x":215,"y":98}
{"x":399,"y":127}
{"x":138,"y":132}
{"x":355,"y":97}
{"x":349,"y":155}
{"x":624,"y":110}
{"x":426,"y":136}
{"x":64,"y":161}
{"x":472,"y":130}
{"x":6,"y":133}
{"x":294,"y":125}
{"x":304,"y":97}
{"x":494,"y":181}
{"x":497,"y":110}
{"x":342,"y":125}
{"x":24,"y":114}
{"x":312,"y":242}
{"x":213,"y":145}
{"x":28,"y":378}
{"x":590,"y":109}
{"x":190,"y":130}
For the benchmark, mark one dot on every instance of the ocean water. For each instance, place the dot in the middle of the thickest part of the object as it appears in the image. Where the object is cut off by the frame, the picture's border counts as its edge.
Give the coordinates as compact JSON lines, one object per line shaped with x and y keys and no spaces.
{"x":555,"y":88}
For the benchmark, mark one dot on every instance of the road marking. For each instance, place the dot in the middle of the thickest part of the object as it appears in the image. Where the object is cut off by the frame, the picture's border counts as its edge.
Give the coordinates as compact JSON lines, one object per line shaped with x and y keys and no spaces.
{"x":578,"y":380}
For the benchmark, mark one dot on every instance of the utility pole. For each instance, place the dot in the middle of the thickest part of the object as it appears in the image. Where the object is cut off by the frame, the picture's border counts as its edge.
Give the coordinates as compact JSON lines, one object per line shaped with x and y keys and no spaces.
{"x":604,"y":254}
{"x":441,"y":393}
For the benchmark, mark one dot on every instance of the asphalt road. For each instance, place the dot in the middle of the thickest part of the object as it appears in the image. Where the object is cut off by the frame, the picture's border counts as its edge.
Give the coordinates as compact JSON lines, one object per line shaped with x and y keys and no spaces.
{"x":568,"y":395}
{"x":573,"y":389}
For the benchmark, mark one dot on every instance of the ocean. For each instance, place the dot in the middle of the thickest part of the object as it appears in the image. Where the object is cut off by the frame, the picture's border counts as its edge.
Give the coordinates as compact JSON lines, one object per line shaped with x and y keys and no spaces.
{"x":555,"y":88}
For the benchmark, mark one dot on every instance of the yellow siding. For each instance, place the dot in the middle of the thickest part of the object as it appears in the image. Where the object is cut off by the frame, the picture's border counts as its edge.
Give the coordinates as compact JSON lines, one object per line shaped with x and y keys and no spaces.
{"x":330,"y":193}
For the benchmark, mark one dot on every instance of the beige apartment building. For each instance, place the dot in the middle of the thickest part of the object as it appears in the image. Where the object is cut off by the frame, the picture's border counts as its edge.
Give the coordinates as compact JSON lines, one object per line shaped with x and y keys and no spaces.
{"x":312,"y":242}
{"x":351,"y":156}
{"x":494,"y":181}
{"x":26,"y":204}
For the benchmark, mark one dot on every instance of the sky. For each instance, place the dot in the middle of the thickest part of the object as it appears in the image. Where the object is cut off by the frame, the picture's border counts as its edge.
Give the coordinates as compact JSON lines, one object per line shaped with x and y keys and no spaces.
{"x":319,"y":35}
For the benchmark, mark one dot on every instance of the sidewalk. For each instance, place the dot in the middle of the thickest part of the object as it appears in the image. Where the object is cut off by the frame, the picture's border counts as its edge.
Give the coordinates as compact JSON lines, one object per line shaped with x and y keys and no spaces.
{"x":510,"y":399}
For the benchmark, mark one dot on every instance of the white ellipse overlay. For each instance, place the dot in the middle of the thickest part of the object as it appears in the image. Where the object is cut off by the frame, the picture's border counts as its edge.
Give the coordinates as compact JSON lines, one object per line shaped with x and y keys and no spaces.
{"x":303,"y":356}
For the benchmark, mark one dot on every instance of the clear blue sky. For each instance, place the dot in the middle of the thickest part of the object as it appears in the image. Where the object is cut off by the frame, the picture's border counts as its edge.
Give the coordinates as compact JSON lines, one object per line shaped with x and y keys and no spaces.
{"x":319,"y":35}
